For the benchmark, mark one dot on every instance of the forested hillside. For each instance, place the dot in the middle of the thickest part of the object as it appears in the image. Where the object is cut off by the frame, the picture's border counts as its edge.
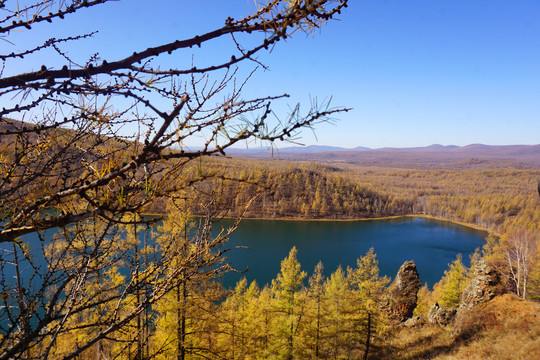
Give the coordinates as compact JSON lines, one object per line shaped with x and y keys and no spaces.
{"x":504,"y":201}
{"x":342,"y":315}
{"x":493,"y":199}
{"x":290,"y":191}
{"x":496,"y":200}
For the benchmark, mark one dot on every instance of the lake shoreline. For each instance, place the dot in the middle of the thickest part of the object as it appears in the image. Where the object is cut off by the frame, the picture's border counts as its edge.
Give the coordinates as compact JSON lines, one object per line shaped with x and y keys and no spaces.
{"x":424,"y":216}
{"x":432,"y":244}
{"x":475,"y":227}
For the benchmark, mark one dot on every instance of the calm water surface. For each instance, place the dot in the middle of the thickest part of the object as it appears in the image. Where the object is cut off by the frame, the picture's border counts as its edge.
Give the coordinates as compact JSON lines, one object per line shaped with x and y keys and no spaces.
{"x":432,"y":244}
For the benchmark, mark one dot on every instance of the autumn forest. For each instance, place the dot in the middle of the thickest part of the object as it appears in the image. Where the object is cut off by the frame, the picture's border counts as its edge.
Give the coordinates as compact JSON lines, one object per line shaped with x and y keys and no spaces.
{"x":119,"y":156}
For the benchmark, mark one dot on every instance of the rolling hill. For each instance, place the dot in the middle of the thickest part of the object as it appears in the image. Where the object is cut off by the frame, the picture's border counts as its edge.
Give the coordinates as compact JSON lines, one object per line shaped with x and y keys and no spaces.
{"x":434,"y":156}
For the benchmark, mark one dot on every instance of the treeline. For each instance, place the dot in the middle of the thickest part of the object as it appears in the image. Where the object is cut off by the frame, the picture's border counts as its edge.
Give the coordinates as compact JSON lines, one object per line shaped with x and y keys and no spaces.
{"x":341,"y":316}
{"x":497,"y":200}
{"x":287,"y":191}
{"x":504,"y":201}
{"x":335,"y":317}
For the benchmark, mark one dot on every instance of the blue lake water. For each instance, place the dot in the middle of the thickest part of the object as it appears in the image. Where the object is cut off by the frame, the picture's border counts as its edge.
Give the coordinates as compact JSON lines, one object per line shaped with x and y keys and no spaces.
{"x":432,"y":244}
{"x":263,"y":244}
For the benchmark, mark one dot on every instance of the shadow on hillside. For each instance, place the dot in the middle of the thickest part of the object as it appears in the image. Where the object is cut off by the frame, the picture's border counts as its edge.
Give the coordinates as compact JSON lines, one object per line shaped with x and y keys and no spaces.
{"x":505,"y":328}
{"x":411,"y":345}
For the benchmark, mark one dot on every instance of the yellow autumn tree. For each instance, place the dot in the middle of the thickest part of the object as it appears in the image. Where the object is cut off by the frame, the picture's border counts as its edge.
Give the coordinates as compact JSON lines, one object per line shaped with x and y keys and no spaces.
{"x":287,"y":305}
{"x":448,"y":290}
{"x":368,"y":287}
{"x":97,"y":138}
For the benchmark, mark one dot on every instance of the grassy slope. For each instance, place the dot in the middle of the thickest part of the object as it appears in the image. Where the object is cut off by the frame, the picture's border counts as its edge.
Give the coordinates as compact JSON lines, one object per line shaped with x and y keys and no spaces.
{"x":504,"y":328}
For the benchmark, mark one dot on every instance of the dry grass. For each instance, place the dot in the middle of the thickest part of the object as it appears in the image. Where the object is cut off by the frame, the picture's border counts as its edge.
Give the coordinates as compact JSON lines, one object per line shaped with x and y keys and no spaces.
{"x":424,"y":342}
{"x":504,"y":328}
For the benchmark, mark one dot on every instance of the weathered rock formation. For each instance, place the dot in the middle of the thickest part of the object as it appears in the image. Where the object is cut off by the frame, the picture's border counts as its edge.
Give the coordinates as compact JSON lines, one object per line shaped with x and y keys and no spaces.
{"x":402,"y":293}
{"x":484,"y":286}
{"x":438,"y":315}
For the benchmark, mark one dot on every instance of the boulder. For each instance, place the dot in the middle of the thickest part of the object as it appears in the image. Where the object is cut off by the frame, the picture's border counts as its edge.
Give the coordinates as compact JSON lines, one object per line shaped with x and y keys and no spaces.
{"x":401,"y":296}
{"x":414,"y":322}
{"x":439,"y":315}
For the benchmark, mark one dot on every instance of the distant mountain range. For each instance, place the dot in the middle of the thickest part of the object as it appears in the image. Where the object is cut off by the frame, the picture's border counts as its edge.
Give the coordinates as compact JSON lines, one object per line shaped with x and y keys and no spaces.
{"x":294,"y":150}
{"x":436,"y":156}
{"x":433,"y":156}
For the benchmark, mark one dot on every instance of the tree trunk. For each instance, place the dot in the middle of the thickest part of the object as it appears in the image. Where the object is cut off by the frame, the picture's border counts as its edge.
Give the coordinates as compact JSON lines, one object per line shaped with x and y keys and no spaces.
{"x":368,"y":336}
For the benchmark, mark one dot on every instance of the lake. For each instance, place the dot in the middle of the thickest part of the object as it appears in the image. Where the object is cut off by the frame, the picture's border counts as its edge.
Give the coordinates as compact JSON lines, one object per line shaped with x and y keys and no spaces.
{"x":432,"y":244}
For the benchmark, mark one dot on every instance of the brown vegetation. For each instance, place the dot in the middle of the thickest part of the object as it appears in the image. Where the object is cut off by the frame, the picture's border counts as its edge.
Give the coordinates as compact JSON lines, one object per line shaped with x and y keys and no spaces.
{"x":475,"y":156}
{"x":288,"y":190}
{"x":504,"y":328}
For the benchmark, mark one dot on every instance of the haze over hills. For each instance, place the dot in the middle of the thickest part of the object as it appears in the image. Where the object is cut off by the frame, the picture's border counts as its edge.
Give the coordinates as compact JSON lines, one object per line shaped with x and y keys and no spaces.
{"x":294,"y":150}
{"x":436,"y":156}
{"x":433,"y":156}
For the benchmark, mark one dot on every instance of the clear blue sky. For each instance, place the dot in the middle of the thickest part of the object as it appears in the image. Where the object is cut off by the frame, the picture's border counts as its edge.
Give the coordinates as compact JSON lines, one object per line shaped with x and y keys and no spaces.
{"x":414,"y":72}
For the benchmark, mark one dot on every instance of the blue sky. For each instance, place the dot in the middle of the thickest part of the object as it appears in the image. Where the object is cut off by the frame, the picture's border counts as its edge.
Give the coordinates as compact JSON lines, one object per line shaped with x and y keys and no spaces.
{"x":415,"y":72}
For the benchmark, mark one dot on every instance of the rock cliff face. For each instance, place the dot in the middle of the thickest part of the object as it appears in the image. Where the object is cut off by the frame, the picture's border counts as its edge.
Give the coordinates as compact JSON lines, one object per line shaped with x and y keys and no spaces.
{"x":402,"y":293}
{"x":415,"y":321}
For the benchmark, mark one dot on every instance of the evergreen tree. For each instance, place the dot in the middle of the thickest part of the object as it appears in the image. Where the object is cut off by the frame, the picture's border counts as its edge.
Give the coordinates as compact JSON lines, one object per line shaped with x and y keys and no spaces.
{"x":266,"y":321}
{"x":425,"y":299}
{"x":186,"y":314}
{"x":339,"y":323}
{"x":233,"y":332}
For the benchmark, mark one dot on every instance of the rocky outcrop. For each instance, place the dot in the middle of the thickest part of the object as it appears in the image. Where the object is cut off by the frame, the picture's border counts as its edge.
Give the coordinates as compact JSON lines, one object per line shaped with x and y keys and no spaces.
{"x":484,"y":286}
{"x":438,"y":315}
{"x":402,"y":294}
